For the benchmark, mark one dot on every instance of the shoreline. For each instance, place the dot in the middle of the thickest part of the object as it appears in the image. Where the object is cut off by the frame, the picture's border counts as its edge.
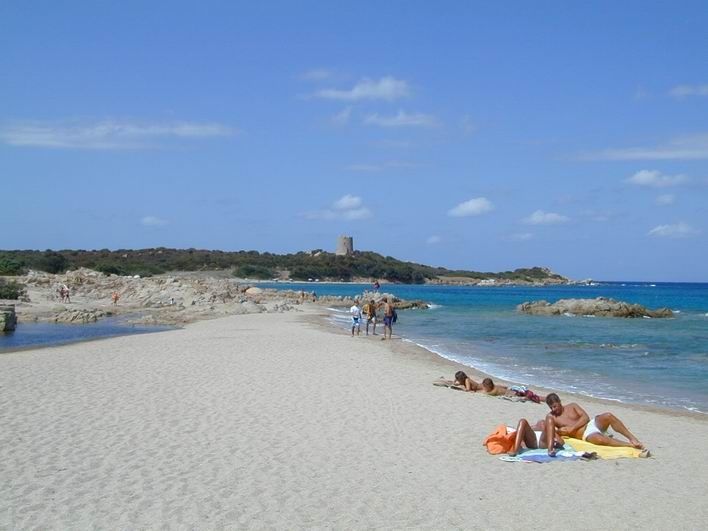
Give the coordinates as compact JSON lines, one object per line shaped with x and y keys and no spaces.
{"x":279,"y":421}
{"x":408,"y":346}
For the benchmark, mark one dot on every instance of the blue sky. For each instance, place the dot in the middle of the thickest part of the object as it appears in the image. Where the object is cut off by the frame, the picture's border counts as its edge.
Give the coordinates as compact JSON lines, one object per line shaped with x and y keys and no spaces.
{"x":476,"y":135}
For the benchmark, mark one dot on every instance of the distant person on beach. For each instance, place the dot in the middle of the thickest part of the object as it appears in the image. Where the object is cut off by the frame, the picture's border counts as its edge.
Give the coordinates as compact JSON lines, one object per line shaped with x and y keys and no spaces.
{"x":462,"y":380}
{"x":370,"y":313}
{"x":115,"y":296}
{"x":388,"y":317}
{"x":376,"y":285}
{"x":573,"y":421}
{"x":355,"y":311}
{"x":67,"y":294}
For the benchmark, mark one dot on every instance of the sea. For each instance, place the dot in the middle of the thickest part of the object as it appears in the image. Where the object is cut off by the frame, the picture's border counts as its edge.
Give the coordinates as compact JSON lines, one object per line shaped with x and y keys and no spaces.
{"x":656,"y":362}
{"x":29,"y":335}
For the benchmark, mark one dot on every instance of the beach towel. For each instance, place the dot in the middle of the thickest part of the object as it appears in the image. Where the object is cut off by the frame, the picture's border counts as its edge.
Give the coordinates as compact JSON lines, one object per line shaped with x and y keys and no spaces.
{"x":604,"y":452}
{"x":500,"y":441}
{"x":449,"y":384}
{"x":540,"y":455}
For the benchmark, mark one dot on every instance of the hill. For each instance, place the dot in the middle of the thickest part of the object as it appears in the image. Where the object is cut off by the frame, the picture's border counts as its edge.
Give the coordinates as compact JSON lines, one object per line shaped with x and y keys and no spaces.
{"x":253,"y":264}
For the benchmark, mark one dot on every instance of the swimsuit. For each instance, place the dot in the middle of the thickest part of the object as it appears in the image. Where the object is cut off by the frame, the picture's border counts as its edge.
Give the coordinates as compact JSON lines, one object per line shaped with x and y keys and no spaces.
{"x":592,"y":429}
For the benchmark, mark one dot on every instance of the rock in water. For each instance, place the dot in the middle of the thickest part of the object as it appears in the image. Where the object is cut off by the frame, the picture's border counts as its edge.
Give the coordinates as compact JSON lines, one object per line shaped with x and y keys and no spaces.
{"x":8,"y":319}
{"x":601,"y":307}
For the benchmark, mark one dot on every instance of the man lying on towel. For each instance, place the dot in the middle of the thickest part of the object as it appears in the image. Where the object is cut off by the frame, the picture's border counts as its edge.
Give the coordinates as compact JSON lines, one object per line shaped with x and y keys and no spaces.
{"x":573,"y":421}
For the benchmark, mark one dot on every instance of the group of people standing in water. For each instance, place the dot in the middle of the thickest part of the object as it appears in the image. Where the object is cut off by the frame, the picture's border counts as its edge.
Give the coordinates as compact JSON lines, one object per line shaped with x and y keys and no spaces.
{"x":370,"y":311}
{"x":569,"y":420}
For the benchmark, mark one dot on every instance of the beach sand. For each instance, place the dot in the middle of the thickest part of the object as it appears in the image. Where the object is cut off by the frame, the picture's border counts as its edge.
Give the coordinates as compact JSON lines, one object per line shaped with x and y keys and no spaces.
{"x":277,"y":421}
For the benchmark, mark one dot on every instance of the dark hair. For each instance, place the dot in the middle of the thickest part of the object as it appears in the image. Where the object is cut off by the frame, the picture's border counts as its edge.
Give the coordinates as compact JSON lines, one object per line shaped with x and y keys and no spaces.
{"x":460,"y":377}
{"x":551,"y":399}
{"x":487,"y":382}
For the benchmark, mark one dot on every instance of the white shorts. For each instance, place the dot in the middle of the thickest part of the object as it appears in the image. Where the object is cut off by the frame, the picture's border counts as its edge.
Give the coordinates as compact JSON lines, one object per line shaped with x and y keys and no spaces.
{"x":592,"y":429}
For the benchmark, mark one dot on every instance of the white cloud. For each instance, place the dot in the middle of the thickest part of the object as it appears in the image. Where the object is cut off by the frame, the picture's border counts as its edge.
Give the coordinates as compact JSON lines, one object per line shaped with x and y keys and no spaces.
{"x":692,"y":147}
{"x":432,"y":240}
{"x":348,"y":207}
{"x":683,"y":91}
{"x":474,"y":207}
{"x":402,"y":119}
{"x":665,"y":199}
{"x":347,"y":202}
{"x":387,"y":88}
{"x":545,"y":218}
{"x":107,"y":134}
{"x":521,"y":236}
{"x":316,"y":74}
{"x":153,"y":221}
{"x":342,"y":117}
{"x":679,"y":230}
{"x":656,"y":179}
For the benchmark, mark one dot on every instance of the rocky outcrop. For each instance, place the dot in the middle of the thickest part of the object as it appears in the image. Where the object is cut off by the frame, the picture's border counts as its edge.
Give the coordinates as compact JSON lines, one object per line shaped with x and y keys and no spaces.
{"x":79,"y":316}
{"x":176,"y":298}
{"x":377,"y":297}
{"x":601,"y":307}
{"x":8,"y":319}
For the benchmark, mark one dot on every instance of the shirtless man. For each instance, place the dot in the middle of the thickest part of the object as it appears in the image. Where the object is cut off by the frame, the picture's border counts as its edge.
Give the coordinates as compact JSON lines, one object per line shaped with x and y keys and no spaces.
{"x":388,"y":317}
{"x":489,"y":388}
{"x":573,"y":421}
{"x":370,"y":313}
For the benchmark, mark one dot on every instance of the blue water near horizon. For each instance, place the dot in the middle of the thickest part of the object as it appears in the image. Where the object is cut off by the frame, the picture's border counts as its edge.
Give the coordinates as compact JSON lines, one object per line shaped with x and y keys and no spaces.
{"x":28,"y":335}
{"x":657,"y":362}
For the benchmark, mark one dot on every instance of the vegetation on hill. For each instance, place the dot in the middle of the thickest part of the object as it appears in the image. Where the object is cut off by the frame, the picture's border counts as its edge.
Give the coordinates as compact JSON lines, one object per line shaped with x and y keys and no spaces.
{"x":11,"y":290}
{"x":252,"y":264}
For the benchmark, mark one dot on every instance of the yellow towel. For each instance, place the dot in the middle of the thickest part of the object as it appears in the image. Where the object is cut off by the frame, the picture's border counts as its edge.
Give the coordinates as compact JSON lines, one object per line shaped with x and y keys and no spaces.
{"x":604,"y":452}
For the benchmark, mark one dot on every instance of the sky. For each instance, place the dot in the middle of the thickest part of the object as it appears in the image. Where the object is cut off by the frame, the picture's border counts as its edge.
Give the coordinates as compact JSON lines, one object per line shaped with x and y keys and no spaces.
{"x":470,"y":135}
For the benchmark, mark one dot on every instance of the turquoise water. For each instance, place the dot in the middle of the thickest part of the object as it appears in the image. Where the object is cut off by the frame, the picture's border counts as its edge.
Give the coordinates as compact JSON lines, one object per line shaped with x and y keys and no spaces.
{"x":45,"y":334}
{"x":659,"y":362}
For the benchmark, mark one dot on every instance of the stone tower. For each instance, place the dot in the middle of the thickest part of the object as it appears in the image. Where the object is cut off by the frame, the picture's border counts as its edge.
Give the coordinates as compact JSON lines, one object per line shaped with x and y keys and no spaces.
{"x":345,"y":246}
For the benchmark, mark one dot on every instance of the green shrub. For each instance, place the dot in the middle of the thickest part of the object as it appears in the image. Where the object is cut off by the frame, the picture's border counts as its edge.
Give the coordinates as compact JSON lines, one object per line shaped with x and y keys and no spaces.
{"x":8,"y":266}
{"x":11,"y":289}
{"x":109,"y":269}
{"x":253,"y":271}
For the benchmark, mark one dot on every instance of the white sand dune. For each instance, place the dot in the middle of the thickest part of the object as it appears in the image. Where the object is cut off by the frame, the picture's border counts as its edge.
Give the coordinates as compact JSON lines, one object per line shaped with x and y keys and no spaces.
{"x":272,"y":421}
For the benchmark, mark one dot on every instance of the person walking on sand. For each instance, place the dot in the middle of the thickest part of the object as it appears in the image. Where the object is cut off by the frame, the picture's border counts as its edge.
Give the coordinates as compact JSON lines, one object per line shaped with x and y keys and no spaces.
{"x":355,"y":311}
{"x":572,"y":421}
{"x":114,"y":297}
{"x":388,"y":318}
{"x":370,"y":313}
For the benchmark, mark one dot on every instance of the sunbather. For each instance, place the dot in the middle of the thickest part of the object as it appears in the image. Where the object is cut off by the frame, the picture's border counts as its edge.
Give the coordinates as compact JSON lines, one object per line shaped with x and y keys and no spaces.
{"x":572,"y":421}
{"x":533,"y":437}
{"x":465,"y":381}
{"x":490,"y":388}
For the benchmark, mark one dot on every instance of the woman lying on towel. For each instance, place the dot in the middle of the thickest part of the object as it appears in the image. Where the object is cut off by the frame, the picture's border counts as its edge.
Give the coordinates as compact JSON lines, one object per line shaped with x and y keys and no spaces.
{"x":462,"y":380}
{"x":533,"y":437}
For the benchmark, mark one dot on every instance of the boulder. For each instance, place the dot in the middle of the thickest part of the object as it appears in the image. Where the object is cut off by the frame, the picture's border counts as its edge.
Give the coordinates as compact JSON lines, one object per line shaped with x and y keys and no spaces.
{"x":8,"y":318}
{"x":79,"y":316}
{"x":601,"y":307}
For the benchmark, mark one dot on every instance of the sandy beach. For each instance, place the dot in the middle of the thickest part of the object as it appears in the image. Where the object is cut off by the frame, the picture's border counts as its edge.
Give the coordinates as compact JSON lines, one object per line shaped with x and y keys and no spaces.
{"x":282,"y":421}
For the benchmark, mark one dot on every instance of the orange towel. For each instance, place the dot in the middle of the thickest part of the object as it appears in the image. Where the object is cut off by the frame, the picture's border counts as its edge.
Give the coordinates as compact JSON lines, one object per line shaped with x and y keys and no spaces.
{"x":500,"y":442}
